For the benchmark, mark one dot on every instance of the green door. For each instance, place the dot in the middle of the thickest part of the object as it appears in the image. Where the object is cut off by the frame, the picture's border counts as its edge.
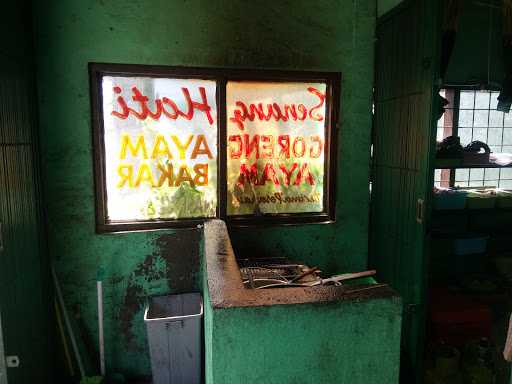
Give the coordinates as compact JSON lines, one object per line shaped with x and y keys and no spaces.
{"x":401,"y":176}
{"x":24,"y":297}
{"x":22,"y":294}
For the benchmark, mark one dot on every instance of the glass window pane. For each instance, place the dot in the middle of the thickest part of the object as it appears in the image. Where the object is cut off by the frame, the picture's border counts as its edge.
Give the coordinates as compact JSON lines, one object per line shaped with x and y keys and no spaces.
{"x":480,"y":134}
{"x":465,"y":135}
{"x":440,"y":122}
{"x":496,"y":119}
{"x":461,"y":184}
{"x":508,"y":119}
{"x":465,"y":118}
{"x":276,"y":147}
{"x":161,"y":150}
{"x":443,"y":176}
{"x":482,"y":100}
{"x":494,"y":100}
{"x":440,"y":134}
{"x":491,"y":183}
{"x":506,"y":184}
{"x":495,"y":148}
{"x":476,"y":183}
{"x":492,"y":173}
{"x":494,"y":136}
{"x":506,"y":173}
{"x":507,"y":136}
{"x":467,"y":99}
{"x":481,"y":119}
{"x":462,"y":175}
{"x":476,"y":174}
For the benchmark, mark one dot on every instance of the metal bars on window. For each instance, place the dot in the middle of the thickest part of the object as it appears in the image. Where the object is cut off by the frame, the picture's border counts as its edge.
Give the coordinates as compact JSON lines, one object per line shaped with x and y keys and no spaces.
{"x":472,"y":115}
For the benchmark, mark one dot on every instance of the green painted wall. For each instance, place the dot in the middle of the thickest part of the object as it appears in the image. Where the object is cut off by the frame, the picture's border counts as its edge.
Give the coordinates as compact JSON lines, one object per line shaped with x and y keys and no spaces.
{"x":327,"y":35}
{"x":308,"y":343}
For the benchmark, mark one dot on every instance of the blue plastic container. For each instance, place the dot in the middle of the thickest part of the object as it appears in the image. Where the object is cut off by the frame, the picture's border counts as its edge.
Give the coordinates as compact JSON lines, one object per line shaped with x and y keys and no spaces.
{"x":470,"y":245}
{"x":450,"y":200}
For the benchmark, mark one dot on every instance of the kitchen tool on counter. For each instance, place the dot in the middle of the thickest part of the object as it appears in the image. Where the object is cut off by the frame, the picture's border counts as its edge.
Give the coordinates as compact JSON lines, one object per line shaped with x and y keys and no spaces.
{"x":337,"y":279}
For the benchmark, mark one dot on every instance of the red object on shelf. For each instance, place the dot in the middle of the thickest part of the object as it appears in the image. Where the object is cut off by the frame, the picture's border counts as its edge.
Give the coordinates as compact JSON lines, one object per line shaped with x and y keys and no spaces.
{"x":456,"y":319}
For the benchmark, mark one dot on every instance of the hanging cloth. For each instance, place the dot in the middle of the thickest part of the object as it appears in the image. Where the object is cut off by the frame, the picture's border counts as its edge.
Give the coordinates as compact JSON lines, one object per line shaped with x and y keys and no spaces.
{"x":477,"y":56}
{"x":452,"y":11}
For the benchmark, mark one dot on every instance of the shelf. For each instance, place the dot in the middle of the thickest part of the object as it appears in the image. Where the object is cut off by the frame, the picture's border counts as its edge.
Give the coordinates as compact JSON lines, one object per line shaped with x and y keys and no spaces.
{"x":467,"y":211}
{"x":456,"y":164}
{"x":439,"y":235}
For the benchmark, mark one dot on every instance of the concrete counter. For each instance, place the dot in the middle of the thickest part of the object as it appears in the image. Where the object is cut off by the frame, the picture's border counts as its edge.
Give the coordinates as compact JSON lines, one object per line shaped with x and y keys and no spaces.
{"x":326,"y":334}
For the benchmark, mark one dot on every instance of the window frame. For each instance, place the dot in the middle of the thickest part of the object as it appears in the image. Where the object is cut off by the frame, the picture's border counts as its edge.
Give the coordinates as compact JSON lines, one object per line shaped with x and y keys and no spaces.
{"x":451,"y":180}
{"x":221,"y":76}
